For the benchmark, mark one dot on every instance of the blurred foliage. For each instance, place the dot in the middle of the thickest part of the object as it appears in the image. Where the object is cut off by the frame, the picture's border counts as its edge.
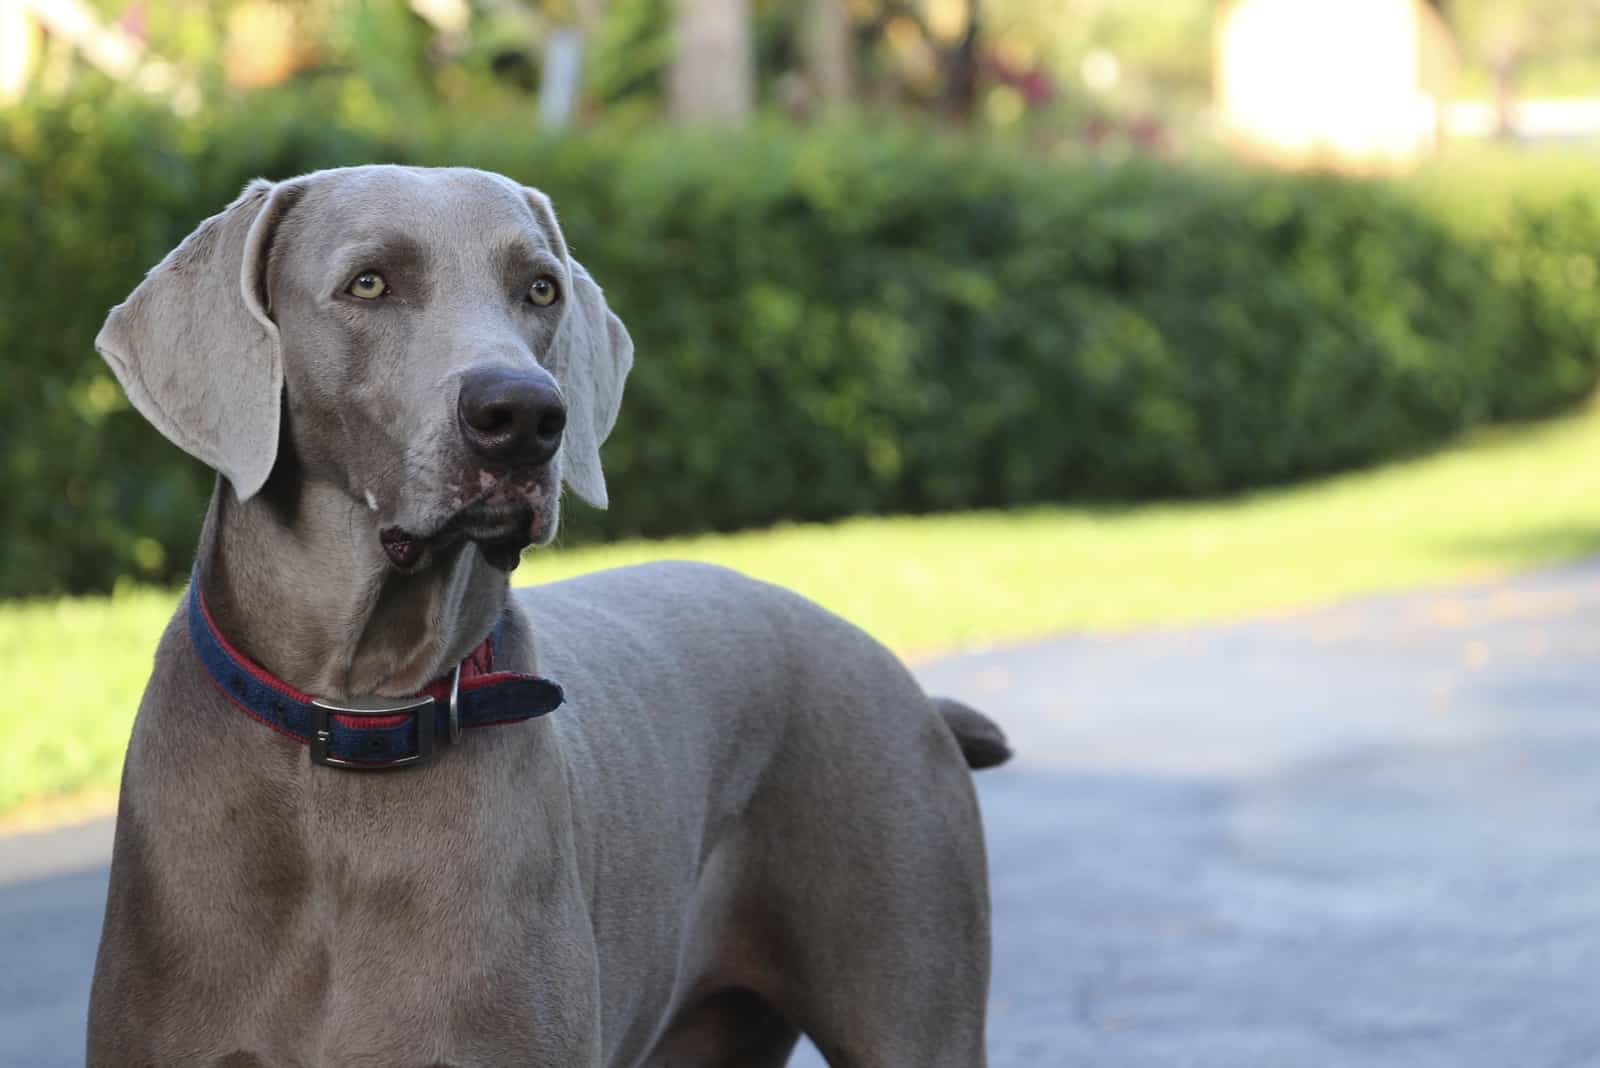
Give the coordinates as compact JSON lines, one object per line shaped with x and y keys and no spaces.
{"x":1162,"y":47}
{"x":1058,"y":62}
{"x":847,"y":319}
{"x":1024,"y":59}
{"x":1134,"y":73}
{"x":628,"y":57}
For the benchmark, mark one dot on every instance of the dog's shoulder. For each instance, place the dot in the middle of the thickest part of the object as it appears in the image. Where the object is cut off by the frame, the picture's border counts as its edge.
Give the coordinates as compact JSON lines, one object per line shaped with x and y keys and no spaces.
{"x":658,"y":577}
{"x":713,"y":617}
{"x":665,"y":588}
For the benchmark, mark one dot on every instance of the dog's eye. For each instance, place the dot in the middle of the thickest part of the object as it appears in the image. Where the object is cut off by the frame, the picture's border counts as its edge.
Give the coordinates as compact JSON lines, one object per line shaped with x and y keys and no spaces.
{"x":544,"y":291}
{"x":369,"y":285}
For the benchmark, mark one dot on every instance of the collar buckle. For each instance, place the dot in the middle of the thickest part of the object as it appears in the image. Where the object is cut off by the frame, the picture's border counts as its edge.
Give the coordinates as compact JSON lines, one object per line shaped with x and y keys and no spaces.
{"x":323,"y":711}
{"x":455,"y":705}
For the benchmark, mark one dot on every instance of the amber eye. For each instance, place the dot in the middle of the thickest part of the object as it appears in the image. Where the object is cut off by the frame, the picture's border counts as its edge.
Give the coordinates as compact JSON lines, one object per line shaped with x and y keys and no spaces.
{"x":543,"y":292}
{"x":369,"y":285}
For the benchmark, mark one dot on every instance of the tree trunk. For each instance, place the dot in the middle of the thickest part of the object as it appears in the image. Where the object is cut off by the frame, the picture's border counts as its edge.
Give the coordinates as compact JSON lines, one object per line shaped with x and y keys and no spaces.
{"x":712,"y":77}
{"x":1505,"y":95}
{"x":561,"y":78}
{"x":830,"y":51}
{"x":960,"y":94}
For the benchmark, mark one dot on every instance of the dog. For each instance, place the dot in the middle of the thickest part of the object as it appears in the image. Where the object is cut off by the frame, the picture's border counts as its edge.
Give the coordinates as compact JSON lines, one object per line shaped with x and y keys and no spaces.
{"x":380,"y":810}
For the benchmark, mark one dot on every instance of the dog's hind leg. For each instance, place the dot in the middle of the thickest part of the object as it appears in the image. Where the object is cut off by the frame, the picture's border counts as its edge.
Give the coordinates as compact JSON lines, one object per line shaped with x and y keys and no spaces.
{"x":730,"y":1028}
{"x":878,"y":893}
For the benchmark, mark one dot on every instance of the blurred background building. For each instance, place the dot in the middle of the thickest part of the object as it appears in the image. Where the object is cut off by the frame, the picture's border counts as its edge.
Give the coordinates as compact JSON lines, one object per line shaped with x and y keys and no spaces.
{"x":1363,"y":82}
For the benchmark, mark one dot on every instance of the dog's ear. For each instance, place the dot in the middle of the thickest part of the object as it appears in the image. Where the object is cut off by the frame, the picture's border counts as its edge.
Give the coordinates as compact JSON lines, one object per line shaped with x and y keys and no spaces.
{"x":195,"y":348}
{"x":590,"y":358}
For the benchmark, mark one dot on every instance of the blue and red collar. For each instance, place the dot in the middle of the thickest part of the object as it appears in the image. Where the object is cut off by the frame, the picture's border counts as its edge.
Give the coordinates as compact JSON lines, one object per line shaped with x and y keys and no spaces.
{"x":368,"y":733}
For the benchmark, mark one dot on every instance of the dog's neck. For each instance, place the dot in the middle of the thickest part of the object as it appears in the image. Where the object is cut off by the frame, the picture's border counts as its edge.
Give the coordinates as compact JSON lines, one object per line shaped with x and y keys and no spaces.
{"x":297,"y":580}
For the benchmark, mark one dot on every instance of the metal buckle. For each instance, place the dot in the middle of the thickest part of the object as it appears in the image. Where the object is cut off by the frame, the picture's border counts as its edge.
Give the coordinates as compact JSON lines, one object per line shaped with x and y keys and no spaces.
{"x":455,"y":708}
{"x":322,"y":712}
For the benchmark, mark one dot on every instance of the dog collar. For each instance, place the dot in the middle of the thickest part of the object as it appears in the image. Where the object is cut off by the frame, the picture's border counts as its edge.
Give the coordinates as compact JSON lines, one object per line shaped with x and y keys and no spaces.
{"x":371,"y":733}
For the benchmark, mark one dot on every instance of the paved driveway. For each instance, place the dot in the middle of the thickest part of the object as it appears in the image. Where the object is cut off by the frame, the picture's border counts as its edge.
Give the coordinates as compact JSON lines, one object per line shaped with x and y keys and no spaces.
{"x":1367,"y":835}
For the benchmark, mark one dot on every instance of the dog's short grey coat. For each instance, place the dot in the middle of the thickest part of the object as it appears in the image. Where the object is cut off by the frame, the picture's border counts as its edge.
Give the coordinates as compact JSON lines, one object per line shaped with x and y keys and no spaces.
{"x":748,"y":821}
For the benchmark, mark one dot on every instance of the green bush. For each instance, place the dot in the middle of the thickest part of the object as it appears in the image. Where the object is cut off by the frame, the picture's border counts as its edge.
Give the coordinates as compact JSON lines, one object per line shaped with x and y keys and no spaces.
{"x":828,"y":322}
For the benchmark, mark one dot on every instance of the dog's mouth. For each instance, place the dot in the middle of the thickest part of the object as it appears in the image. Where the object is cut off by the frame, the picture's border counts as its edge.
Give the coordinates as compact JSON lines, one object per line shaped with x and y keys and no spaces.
{"x":506,"y":513}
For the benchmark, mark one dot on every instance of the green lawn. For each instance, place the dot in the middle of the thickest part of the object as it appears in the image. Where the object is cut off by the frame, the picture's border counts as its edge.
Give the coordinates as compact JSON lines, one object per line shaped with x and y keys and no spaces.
{"x":1478,"y":184}
{"x":1507,"y":499}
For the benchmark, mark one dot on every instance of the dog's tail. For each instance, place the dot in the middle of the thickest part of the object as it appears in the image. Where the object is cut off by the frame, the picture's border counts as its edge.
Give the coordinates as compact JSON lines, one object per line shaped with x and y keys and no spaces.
{"x":981,"y":740}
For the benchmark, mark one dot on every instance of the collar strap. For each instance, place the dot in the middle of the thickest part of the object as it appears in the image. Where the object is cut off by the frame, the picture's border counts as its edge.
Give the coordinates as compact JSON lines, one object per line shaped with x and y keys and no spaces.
{"x":371,"y":733}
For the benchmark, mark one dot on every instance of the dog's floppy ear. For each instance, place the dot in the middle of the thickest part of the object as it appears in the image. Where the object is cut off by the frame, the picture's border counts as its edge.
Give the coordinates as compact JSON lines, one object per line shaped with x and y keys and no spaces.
{"x":590,"y":358}
{"x":195,"y":349}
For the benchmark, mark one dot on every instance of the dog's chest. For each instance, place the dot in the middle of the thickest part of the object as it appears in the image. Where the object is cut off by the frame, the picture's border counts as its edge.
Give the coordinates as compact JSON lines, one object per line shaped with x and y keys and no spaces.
{"x":323,"y":933}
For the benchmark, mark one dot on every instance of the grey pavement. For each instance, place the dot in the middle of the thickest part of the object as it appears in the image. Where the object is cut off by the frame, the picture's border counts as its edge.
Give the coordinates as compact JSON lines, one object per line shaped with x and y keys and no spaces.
{"x":1361,"y":835}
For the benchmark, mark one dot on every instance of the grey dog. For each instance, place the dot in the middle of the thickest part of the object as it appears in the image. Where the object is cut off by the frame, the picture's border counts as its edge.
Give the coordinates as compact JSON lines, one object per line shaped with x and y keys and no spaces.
{"x":745,"y":823}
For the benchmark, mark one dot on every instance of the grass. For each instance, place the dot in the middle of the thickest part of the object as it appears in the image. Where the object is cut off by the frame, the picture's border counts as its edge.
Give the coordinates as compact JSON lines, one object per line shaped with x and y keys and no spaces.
{"x":1505,"y":500}
{"x":1501,"y":180}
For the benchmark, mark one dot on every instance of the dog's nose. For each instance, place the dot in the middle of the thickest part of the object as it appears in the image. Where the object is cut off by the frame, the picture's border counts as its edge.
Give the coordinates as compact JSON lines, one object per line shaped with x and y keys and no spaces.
{"x":511,"y":417}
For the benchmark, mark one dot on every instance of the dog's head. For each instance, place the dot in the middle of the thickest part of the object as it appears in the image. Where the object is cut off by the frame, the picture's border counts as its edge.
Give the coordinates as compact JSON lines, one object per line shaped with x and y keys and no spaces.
{"x":420,"y":339}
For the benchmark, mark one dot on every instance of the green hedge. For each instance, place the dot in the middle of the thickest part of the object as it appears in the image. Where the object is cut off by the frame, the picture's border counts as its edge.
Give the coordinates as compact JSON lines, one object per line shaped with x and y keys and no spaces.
{"x":827,"y":322}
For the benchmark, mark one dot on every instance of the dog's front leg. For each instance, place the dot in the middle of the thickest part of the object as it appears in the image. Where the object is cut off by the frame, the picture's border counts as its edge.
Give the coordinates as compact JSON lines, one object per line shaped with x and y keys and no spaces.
{"x":554,"y":1023}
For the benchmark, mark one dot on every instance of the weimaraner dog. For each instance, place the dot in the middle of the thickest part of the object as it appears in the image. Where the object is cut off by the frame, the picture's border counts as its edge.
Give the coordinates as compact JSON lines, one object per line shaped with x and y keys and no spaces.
{"x":709,"y":816}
